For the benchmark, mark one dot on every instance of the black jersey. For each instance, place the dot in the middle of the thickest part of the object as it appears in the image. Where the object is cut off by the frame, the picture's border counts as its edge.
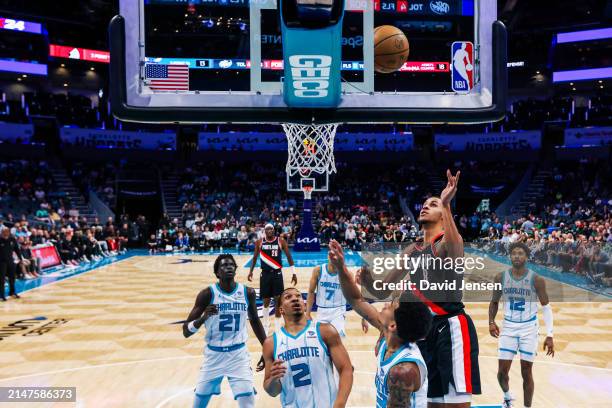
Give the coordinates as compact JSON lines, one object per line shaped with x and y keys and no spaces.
{"x":271,"y":256}
{"x":441,"y":301}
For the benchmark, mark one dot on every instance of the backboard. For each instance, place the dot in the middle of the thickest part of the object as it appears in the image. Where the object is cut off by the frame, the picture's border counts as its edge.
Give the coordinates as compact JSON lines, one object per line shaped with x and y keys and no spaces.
{"x":197,"y":61}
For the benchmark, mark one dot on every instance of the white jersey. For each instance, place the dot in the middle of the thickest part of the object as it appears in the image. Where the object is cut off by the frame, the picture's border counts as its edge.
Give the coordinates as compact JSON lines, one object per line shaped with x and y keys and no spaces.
{"x":520,"y":297}
{"x":329,"y":294}
{"x":227,"y":329}
{"x":407,"y":353}
{"x":309,"y":381}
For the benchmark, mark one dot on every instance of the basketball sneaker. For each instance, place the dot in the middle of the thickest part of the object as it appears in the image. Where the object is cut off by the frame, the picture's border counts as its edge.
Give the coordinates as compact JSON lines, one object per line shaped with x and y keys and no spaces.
{"x":507,"y":403}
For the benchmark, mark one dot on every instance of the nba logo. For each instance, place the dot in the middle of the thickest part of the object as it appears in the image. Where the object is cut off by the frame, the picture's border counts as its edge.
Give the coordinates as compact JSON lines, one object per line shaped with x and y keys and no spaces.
{"x":462,"y":61}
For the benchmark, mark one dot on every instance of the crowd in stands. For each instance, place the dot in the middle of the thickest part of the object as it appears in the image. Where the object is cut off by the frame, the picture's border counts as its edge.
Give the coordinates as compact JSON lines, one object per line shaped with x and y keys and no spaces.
{"x":226,"y":206}
{"x":97,"y":177}
{"x":76,"y":241}
{"x":569,"y":229}
{"x":35,"y":213}
{"x":27,"y":188}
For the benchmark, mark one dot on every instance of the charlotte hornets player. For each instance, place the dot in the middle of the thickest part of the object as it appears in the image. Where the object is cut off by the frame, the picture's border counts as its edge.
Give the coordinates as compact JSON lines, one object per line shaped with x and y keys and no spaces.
{"x":521,"y":290}
{"x":299,"y":357}
{"x":224,"y":309}
{"x":401,"y":375}
{"x":331,"y":304}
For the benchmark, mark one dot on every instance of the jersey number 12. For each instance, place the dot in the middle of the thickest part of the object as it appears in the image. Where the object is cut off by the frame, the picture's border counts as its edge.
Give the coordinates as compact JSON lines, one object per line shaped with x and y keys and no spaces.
{"x":517,"y":304}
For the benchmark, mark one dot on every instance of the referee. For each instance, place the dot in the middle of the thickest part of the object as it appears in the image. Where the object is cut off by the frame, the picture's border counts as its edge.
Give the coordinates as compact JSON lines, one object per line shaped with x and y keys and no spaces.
{"x":8,"y":245}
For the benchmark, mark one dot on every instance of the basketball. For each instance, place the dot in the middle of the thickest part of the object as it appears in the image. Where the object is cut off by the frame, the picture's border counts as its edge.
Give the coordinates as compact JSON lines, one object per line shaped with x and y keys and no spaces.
{"x":391,"y":49}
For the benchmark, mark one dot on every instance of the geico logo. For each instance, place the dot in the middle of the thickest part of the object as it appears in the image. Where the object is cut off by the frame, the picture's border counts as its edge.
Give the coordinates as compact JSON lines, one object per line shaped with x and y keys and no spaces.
{"x":310,"y":75}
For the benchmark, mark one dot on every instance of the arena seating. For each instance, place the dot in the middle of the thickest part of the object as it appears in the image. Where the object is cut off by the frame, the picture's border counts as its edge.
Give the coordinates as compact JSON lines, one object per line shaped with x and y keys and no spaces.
{"x":569,"y":228}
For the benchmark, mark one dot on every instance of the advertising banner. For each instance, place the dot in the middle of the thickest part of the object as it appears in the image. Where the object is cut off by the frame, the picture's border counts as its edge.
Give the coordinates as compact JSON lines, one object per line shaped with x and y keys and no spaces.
{"x":84,"y":54}
{"x":13,"y":132}
{"x":117,"y":139}
{"x":278,"y":141}
{"x":597,"y":136}
{"x":47,"y":253}
{"x":489,"y":142}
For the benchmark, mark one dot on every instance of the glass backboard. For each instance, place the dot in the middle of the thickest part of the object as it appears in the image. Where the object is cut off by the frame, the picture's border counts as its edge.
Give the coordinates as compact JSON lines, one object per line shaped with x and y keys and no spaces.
{"x":197,"y":61}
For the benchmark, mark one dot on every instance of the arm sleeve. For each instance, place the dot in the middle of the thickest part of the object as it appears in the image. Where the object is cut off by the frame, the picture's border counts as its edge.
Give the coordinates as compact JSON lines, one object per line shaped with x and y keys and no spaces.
{"x":548,"y":319}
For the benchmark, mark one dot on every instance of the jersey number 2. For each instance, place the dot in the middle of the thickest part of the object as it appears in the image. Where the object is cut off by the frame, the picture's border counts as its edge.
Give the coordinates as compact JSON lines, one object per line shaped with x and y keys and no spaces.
{"x":225,"y":322}
{"x":301,"y":376}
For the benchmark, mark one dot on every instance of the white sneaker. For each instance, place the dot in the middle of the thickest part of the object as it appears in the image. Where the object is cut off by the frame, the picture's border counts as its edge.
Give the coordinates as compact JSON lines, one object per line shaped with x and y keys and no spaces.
{"x":507,"y":403}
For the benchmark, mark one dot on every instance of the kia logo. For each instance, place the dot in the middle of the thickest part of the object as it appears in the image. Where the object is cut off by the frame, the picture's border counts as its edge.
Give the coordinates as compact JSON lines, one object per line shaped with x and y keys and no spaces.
{"x":312,"y":240}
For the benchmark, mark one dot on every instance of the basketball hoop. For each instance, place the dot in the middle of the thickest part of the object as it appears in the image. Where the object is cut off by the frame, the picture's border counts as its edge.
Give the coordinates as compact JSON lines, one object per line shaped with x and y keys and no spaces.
{"x":311,"y":149}
{"x":307,"y":192}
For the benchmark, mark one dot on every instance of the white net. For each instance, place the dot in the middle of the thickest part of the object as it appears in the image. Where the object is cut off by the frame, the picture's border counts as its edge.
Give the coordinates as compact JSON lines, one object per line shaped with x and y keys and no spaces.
{"x":307,"y":192}
{"x":311,"y":149}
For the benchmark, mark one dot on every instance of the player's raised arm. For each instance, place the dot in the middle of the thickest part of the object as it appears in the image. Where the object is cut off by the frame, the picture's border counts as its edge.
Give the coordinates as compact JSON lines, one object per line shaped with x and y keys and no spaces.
{"x":403,"y":380}
{"x":254,"y":260}
{"x":493,"y":307}
{"x":341,"y":360}
{"x":202,"y":309}
{"x":540,"y":286}
{"x":285,"y":248}
{"x":452,"y":243}
{"x":350,"y":290}
{"x":275,"y":370}
{"x":312,"y":287}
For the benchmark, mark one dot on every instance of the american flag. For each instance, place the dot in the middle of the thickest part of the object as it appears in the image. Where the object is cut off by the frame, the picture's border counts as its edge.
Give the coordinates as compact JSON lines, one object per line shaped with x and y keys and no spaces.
{"x":173,"y":77}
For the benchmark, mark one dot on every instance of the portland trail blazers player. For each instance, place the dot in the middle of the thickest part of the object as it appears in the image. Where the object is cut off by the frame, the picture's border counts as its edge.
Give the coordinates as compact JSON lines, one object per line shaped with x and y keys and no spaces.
{"x":451,"y":347}
{"x":271,"y":283}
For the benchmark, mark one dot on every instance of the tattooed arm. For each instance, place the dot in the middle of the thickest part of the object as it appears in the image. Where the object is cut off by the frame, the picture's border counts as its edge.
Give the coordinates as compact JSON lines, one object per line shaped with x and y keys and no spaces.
{"x":404,"y":379}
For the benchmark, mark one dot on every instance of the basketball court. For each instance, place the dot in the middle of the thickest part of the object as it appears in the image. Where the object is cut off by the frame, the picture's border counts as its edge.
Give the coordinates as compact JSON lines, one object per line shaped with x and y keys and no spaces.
{"x":111,"y":332}
{"x":113,"y":329}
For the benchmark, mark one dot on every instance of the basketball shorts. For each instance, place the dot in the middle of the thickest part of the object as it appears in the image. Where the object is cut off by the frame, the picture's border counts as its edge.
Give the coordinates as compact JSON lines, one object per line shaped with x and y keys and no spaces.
{"x":451,"y":353}
{"x":235,"y":365}
{"x":518,"y":338}
{"x":334,"y":316}
{"x":271,"y":284}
